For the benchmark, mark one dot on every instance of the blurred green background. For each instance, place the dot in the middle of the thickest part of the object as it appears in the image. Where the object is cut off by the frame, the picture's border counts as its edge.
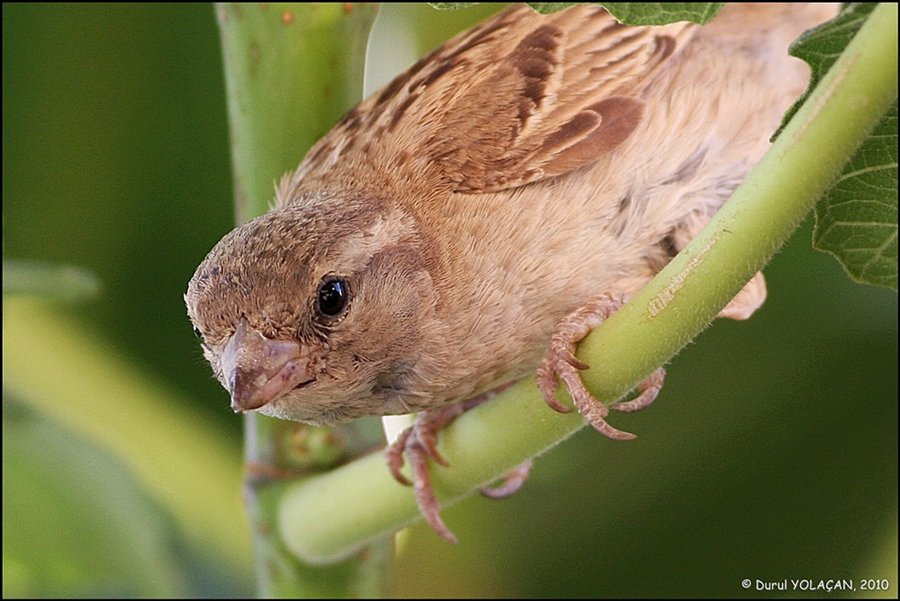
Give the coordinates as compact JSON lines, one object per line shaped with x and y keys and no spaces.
{"x":771,"y":453}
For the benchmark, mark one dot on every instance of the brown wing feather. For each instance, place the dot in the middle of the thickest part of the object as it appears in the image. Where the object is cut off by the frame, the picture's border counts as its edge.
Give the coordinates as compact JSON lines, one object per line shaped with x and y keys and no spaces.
{"x":520,"y":98}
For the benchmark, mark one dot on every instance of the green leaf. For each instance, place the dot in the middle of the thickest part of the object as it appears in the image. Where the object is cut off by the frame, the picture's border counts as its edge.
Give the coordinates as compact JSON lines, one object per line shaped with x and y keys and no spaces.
{"x":74,"y":520}
{"x":629,"y":13}
{"x":660,"y":13}
{"x":545,"y":8}
{"x":69,"y":374}
{"x":64,"y":282}
{"x":821,"y":46}
{"x":856,"y":221}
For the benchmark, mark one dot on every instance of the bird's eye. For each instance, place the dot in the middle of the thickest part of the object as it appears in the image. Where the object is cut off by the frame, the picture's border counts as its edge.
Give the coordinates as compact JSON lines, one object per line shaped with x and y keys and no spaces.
{"x":200,"y":337}
{"x":334,"y":293}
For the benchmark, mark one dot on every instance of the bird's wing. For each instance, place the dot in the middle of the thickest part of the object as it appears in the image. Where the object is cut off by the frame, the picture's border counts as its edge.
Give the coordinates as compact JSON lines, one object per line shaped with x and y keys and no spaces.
{"x":520,"y":98}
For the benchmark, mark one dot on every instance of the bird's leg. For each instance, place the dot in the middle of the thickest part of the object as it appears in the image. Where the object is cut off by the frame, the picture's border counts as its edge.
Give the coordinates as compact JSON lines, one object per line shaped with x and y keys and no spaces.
{"x":560,"y":363}
{"x":419,"y":442}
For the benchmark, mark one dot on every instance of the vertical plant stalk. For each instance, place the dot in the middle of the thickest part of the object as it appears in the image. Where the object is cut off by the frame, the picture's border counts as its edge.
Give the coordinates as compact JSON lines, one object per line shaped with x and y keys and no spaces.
{"x":291,"y":71}
{"x":323,"y":524}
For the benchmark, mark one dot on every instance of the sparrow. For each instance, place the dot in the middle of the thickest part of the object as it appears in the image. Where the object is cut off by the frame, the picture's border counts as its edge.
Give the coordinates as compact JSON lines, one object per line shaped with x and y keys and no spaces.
{"x":468,"y":224}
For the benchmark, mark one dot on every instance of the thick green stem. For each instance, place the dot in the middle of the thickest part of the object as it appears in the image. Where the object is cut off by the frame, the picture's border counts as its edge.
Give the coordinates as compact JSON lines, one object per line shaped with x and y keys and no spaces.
{"x":322,"y":518}
{"x":291,"y":70}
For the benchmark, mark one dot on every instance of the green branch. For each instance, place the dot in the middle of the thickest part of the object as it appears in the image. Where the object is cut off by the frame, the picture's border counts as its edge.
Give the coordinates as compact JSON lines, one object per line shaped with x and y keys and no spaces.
{"x":322,"y":519}
{"x":291,"y":71}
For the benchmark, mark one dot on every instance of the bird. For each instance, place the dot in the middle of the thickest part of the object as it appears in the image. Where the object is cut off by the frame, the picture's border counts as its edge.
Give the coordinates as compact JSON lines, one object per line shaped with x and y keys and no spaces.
{"x":464,"y":227}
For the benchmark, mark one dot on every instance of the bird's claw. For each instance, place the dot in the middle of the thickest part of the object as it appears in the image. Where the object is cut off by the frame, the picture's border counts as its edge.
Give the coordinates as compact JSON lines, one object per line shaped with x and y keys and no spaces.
{"x":560,"y":363}
{"x":512,"y":482}
{"x":419,"y":443}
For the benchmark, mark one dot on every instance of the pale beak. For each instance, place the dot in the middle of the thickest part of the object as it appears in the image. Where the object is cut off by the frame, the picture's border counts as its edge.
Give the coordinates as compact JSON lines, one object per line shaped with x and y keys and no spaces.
{"x":258,"y":370}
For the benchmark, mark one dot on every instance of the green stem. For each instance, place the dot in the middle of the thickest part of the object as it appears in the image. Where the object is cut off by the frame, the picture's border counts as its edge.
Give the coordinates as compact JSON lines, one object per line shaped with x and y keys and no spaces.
{"x":291,"y":71}
{"x":322,"y":518}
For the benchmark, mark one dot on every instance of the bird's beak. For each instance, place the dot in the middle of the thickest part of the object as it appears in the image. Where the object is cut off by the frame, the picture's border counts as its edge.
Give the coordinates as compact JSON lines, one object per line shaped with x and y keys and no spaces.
{"x":258,"y":370}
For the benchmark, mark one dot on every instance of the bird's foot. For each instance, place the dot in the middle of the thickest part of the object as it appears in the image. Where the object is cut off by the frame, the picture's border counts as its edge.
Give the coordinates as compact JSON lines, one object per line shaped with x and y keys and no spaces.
{"x":560,"y":363}
{"x":419,"y":443}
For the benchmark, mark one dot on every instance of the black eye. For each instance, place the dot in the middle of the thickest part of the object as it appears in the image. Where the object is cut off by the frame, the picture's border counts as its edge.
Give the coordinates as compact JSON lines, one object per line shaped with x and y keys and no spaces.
{"x":333,"y":296}
{"x":199,"y":335}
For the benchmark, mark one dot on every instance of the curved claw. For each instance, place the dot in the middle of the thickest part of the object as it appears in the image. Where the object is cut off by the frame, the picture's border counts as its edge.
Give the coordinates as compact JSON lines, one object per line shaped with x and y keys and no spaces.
{"x":548,"y":384}
{"x":394,"y":457}
{"x":567,"y":356}
{"x":648,"y":390}
{"x":560,"y":364}
{"x":426,"y":499}
{"x":615,"y":434}
{"x":419,"y":442}
{"x":420,"y":438}
{"x":426,"y":439}
{"x":512,"y":482}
